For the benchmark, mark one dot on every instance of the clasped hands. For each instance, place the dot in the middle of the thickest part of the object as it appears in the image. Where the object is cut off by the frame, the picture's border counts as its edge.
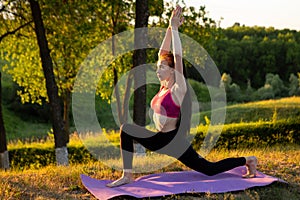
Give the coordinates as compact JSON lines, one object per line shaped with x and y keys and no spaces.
{"x":176,"y":19}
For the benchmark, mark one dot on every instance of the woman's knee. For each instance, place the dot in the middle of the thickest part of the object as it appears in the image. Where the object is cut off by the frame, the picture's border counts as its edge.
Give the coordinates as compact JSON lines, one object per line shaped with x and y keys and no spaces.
{"x":123,"y":131}
{"x":127,"y":130}
{"x":122,"y":127}
{"x":126,"y":127}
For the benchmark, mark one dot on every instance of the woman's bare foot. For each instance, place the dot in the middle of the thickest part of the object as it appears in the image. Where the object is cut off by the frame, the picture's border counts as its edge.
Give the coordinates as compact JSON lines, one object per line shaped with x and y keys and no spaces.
{"x":125,"y":179}
{"x":121,"y":181}
{"x":251,"y":164}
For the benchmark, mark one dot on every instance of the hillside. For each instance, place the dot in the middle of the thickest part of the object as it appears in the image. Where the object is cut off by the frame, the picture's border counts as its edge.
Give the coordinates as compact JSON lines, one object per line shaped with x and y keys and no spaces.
{"x":266,"y":110}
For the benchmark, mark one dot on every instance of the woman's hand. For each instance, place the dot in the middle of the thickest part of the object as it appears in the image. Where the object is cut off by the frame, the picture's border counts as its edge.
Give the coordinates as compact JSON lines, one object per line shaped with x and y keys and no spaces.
{"x":176,"y":19}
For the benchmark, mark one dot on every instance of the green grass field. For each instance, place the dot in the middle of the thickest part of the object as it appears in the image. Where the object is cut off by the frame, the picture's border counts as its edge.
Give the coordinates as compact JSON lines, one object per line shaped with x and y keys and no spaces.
{"x":18,"y":129}
{"x":267,"y":110}
{"x":51,"y":182}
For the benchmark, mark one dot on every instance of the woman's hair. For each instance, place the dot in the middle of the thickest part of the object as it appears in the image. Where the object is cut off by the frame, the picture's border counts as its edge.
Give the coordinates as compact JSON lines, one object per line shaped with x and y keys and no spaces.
{"x":169,"y":57}
{"x":184,"y":121}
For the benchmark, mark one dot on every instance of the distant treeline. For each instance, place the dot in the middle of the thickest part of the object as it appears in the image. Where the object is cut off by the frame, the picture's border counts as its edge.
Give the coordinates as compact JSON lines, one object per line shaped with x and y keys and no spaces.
{"x":248,"y":54}
{"x":256,"y":63}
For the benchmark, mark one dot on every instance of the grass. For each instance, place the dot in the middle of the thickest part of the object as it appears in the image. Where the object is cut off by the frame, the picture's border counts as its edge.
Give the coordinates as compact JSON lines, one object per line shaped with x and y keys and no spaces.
{"x":261,"y":111}
{"x":267,"y":110}
{"x":18,"y":129}
{"x":54,"y":182}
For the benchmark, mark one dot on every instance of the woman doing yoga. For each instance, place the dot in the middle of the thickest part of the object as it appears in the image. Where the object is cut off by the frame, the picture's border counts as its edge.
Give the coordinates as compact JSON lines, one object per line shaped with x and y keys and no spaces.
{"x":167,"y":105}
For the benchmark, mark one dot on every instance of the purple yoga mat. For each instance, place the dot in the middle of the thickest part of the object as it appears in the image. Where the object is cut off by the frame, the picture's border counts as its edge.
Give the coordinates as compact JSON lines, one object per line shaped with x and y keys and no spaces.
{"x":169,"y":183}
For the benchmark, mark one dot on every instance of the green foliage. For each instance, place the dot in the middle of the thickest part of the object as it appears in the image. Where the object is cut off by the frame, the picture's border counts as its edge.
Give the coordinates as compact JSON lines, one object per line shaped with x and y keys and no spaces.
{"x":156,"y":7}
{"x":233,"y":91}
{"x":36,"y":158}
{"x":242,"y":135}
{"x":262,"y":123}
{"x":265,"y":92}
{"x":276,"y":83}
{"x":31,"y":158}
{"x":257,"y":124}
{"x":201,"y":90}
{"x":250,"y":53}
{"x":105,"y":113}
{"x":201,"y":27}
{"x":20,"y":128}
{"x":253,"y":135}
{"x":72,"y":30}
{"x":273,"y":88}
{"x":23,"y":65}
{"x":294,"y":86}
{"x":9,"y":88}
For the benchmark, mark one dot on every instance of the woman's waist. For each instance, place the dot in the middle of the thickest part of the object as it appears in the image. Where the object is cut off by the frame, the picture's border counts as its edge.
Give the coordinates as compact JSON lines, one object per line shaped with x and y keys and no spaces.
{"x":164,"y":123}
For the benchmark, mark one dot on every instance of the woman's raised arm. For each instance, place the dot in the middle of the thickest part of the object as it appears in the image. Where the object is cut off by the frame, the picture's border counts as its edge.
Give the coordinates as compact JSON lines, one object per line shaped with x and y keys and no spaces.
{"x":166,"y":43}
{"x":180,"y":85}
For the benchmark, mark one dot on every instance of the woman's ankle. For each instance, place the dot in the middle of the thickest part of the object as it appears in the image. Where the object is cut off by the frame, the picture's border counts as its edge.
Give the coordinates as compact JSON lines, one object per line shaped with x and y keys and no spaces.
{"x":127,"y":172}
{"x":250,"y":159}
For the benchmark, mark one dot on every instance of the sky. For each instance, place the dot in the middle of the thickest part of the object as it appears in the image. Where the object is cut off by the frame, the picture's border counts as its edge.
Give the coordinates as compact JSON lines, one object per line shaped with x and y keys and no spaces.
{"x":279,"y":14}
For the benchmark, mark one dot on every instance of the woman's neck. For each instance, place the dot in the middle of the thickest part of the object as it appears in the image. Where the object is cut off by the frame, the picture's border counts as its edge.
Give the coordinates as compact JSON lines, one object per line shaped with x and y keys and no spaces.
{"x":168,"y":83}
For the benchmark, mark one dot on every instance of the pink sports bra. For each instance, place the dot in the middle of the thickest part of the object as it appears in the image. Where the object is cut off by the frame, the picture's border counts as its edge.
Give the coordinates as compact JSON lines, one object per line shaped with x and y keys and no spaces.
{"x":165,"y":105}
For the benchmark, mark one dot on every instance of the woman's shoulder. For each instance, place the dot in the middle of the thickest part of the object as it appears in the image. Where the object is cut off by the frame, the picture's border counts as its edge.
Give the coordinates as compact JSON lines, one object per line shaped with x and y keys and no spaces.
{"x":177,"y":94}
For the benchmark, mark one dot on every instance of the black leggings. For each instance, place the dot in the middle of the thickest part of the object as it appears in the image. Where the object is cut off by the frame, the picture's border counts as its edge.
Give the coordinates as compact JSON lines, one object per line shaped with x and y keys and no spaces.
{"x":173,"y":145}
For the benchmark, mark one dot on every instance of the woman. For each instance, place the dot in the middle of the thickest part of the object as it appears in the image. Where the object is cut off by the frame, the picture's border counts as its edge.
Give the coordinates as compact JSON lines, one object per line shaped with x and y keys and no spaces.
{"x":168,"y":105}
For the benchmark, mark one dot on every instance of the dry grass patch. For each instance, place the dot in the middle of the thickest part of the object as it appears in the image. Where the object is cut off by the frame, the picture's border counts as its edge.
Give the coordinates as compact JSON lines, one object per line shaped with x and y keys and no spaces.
{"x":54,"y":182}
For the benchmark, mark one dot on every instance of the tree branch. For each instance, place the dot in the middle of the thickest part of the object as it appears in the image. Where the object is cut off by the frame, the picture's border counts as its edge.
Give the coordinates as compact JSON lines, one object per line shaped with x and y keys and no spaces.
{"x":14,"y":31}
{"x":2,"y":9}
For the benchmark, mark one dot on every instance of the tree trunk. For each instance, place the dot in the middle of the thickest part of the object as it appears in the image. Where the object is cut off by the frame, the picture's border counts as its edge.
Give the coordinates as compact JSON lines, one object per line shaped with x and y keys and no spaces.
{"x":116,"y":87}
{"x":66,"y":118}
{"x":139,"y":58}
{"x":118,"y":99}
{"x":4,"y":158}
{"x":60,"y":136}
{"x":125,"y":109}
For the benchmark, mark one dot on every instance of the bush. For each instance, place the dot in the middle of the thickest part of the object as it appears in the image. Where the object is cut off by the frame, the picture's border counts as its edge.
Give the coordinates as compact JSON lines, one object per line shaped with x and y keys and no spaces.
{"x":254,"y":135}
{"x":200,"y":90}
{"x":273,"y":88}
{"x":9,"y":92}
{"x":34,"y":158}
{"x":294,"y":86}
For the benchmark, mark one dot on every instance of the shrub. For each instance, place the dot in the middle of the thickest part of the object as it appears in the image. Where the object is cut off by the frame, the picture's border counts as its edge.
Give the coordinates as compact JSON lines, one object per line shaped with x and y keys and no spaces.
{"x":233,"y":91}
{"x":245,"y":135}
{"x":294,"y":86}
{"x":273,"y":88}
{"x":34,"y":158}
{"x":200,"y":90}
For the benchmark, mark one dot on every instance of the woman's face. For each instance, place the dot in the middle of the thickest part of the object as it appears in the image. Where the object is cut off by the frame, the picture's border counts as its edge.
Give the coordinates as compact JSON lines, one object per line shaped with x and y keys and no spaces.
{"x":163,"y":71}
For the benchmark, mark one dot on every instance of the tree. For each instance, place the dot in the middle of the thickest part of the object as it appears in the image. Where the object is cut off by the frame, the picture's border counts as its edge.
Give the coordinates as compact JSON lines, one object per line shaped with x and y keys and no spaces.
{"x":233,"y":91}
{"x":61,"y":138}
{"x":139,"y":58}
{"x":4,"y":158}
{"x":273,"y":88}
{"x":4,"y":14}
{"x":72,"y":30}
{"x":277,"y":85}
{"x":262,"y":50}
{"x":294,"y":86}
{"x":118,"y":8}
